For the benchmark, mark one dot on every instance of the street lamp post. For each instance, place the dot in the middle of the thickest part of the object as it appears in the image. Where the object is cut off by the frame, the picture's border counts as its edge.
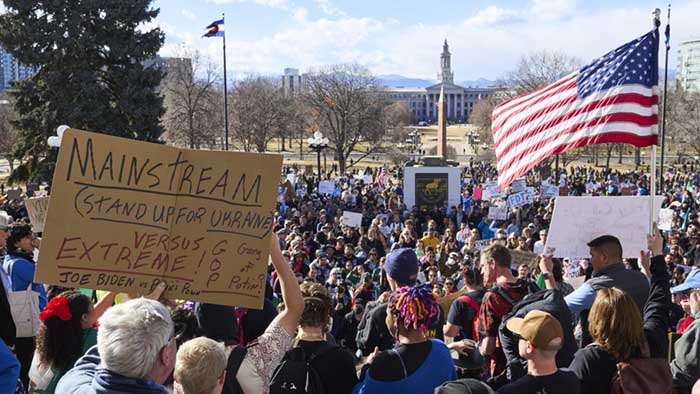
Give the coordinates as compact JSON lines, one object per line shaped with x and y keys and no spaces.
{"x":317,"y":143}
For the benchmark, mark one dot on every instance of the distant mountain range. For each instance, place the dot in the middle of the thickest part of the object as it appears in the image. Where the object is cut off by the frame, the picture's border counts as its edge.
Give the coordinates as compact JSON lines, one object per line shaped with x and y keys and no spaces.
{"x":399,"y":81}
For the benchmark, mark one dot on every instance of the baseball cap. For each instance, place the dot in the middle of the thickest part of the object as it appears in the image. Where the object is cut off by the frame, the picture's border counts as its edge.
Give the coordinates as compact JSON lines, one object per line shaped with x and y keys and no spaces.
{"x":692,"y":281}
{"x":402,"y":265}
{"x":539,"y":328}
{"x":464,"y":386}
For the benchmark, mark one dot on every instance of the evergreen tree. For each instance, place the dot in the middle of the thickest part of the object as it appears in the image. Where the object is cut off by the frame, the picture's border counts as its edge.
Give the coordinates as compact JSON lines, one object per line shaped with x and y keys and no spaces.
{"x":90,"y":56}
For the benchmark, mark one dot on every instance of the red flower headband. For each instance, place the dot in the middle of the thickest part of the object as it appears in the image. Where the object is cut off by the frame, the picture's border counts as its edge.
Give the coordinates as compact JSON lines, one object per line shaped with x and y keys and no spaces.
{"x":58,"y":306}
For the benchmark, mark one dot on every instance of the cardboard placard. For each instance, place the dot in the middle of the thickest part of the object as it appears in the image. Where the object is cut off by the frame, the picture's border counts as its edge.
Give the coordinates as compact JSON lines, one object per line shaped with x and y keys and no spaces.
{"x":352,"y":219}
{"x":326,"y":187}
{"x":126,"y":215}
{"x":524,"y":257}
{"x":14,"y":194}
{"x":498,"y":213}
{"x":36,"y":209}
{"x":578,"y":220}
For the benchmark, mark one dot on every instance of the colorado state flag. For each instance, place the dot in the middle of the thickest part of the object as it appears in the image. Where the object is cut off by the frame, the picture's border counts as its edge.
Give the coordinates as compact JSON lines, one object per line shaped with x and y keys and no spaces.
{"x":215,"y":29}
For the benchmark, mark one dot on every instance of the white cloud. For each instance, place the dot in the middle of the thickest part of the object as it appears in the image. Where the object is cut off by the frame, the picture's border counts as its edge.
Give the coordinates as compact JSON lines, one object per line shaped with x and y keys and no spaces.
{"x":494,"y":16}
{"x":479,"y":49}
{"x":553,"y":9}
{"x":283,"y":4}
{"x":300,"y":14}
{"x":328,"y":8}
{"x":189,"y":15}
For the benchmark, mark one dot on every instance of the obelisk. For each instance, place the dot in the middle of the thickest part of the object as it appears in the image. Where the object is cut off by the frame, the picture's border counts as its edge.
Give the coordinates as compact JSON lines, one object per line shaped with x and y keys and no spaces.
{"x":442,"y":125}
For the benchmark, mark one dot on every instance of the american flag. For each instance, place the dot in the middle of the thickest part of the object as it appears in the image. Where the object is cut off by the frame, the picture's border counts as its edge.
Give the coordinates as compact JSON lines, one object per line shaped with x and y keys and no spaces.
{"x":380,"y":178}
{"x":612,"y":99}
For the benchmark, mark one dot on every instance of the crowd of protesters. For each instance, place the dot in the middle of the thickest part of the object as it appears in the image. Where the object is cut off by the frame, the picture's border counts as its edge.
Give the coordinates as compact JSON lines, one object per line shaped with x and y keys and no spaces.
{"x":420,"y":300}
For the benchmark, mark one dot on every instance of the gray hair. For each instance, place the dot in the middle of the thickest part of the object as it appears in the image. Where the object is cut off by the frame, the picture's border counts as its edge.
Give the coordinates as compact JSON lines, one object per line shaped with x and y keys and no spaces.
{"x":131,"y":336}
{"x":5,"y":219}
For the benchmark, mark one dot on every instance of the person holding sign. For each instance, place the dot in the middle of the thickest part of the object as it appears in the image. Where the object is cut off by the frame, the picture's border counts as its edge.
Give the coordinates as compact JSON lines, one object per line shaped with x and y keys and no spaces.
{"x":608,"y":271}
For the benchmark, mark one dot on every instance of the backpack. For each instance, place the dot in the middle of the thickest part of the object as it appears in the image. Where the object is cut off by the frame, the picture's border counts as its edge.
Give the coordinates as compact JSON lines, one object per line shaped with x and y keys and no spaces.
{"x":642,"y":375}
{"x":296,"y":374}
{"x":235,"y":359}
{"x":550,"y":301}
{"x":475,"y":323}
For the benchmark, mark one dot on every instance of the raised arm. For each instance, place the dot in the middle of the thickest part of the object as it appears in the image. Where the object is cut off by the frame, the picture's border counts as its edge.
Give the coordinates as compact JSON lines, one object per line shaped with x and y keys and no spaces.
{"x":659,"y":302}
{"x":291,"y":294}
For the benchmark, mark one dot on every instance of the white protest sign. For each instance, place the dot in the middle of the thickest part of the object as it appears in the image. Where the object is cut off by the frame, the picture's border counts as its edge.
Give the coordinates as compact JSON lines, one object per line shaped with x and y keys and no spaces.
{"x":36,"y":209}
{"x":548,"y":191}
{"x":326,"y":187}
{"x":367,"y":179}
{"x":498,"y":213}
{"x":482,"y":244}
{"x":291,"y":177}
{"x":518,"y":185}
{"x":665,"y":219}
{"x":530,"y":194}
{"x":578,"y":220}
{"x":516,"y":200}
{"x":352,"y":219}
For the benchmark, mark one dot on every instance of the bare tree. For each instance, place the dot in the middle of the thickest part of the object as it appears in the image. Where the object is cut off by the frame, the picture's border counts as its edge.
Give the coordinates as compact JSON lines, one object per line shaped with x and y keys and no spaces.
{"x":348,"y":106}
{"x":397,"y":116}
{"x":538,"y":69}
{"x":683,"y":124}
{"x":8,"y":134}
{"x":193,"y":114}
{"x":261,"y":112}
{"x":481,"y":118}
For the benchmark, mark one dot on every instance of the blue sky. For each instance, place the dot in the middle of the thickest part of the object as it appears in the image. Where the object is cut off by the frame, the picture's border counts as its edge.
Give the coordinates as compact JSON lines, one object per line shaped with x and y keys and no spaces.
{"x":405,"y":37}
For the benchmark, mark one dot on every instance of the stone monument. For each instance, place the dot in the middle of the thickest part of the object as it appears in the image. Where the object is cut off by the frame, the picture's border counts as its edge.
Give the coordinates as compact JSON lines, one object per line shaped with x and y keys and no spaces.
{"x":442,"y":125}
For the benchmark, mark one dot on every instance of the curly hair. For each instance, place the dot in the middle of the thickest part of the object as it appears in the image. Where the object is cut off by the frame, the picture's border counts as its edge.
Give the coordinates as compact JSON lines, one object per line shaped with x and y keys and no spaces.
{"x":413,"y":308}
{"x":59,"y":343}
{"x":317,"y":305}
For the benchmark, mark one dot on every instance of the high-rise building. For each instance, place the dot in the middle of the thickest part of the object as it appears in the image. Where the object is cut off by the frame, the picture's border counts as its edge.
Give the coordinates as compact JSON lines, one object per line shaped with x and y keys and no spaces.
{"x":688,"y":76}
{"x":12,"y":70}
{"x":292,"y":81}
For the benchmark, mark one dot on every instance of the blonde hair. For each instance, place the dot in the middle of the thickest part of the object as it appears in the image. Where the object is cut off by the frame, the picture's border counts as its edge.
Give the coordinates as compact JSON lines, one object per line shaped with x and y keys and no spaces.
{"x":616,"y":323}
{"x":199,"y":365}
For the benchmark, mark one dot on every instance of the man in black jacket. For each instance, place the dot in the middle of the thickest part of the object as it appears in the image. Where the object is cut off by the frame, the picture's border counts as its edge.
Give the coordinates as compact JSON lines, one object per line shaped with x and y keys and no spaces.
{"x":7,"y":325}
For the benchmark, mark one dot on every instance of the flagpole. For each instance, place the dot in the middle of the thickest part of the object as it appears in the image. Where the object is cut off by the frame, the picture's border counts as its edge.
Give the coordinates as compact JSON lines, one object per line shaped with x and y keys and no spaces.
{"x":652,"y":189}
{"x":663,"y":113}
{"x":223,"y":16}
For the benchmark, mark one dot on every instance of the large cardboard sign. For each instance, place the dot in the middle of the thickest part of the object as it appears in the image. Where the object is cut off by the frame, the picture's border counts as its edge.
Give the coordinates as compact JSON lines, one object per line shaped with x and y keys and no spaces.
{"x":524,"y":257}
{"x":578,"y":220}
{"x":36,"y":209}
{"x":125,"y":215}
